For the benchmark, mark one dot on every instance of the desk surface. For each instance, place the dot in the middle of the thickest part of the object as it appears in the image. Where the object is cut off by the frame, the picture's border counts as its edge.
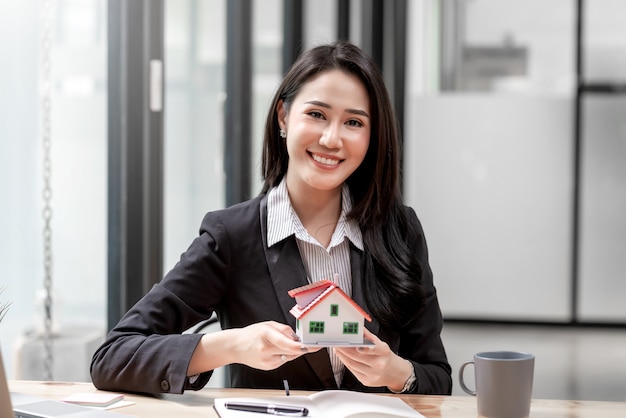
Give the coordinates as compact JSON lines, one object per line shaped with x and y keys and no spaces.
{"x":200,"y":403}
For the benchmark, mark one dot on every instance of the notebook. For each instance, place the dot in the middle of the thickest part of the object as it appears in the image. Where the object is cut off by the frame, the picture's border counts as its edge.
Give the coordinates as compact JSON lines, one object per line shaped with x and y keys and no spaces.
{"x":329,"y":403}
{"x":18,"y":405}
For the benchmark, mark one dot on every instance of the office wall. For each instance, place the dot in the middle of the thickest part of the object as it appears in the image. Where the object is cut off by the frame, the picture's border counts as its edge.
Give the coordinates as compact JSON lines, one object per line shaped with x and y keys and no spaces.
{"x":490,"y":178}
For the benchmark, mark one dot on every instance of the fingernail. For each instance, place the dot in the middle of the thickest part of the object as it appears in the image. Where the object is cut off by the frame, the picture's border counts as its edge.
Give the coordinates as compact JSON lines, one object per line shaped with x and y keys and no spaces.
{"x":295,"y":336}
{"x":304,"y":349}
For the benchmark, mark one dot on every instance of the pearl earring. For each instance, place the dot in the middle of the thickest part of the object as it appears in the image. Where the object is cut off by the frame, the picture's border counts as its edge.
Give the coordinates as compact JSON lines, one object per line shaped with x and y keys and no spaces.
{"x":282,"y":133}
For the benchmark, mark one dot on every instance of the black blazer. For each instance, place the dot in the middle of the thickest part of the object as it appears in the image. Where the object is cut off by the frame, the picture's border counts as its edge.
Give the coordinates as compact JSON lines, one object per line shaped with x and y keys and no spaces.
{"x":229,"y":269}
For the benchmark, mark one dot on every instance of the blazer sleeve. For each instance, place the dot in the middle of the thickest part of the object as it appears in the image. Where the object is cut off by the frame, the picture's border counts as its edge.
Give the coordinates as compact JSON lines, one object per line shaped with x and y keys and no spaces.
{"x":148,"y":351}
{"x":421,"y":341}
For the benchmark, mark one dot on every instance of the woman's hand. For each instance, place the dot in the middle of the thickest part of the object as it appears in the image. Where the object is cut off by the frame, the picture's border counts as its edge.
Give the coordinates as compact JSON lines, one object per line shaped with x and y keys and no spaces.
{"x":264,"y":346}
{"x":376,"y":365}
{"x":267,"y":345}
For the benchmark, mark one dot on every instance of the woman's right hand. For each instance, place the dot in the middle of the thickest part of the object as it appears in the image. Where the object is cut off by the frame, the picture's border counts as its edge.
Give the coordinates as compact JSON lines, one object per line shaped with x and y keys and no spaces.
{"x":267,"y":345}
{"x":264,"y":346}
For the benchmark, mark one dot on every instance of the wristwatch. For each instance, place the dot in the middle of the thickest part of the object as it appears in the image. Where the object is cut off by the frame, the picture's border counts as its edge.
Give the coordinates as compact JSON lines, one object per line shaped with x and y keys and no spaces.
{"x":410,"y":383}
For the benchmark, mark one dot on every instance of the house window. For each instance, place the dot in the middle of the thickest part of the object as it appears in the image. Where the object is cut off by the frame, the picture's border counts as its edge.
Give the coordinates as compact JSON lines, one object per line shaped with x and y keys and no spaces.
{"x":350,"y":327}
{"x":334,"y":310}
{"x":316,"y":327}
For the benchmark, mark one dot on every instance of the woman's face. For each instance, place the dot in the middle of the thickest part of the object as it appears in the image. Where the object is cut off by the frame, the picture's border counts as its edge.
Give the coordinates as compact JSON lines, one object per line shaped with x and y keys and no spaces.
{"x":328,"y":130}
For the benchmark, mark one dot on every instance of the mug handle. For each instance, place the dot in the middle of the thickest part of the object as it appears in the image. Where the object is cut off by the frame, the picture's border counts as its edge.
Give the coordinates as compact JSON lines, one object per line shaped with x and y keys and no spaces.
{"x":462,"y":382}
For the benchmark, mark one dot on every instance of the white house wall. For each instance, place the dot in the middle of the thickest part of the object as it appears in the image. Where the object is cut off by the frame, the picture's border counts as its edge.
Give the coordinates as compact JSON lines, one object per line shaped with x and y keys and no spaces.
{"x":333,"y":325}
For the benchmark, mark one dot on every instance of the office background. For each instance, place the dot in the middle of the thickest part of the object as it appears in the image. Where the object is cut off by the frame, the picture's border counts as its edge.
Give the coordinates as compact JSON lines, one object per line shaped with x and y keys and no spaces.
{"x":513,"y":128}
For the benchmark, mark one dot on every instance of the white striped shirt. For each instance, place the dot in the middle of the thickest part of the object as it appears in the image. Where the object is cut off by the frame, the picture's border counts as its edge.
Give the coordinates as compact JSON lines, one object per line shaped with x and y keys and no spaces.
{"x":320,"y":263}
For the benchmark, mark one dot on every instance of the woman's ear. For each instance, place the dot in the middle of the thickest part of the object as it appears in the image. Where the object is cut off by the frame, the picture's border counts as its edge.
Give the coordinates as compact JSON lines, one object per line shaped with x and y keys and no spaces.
{"x":281,"y":114}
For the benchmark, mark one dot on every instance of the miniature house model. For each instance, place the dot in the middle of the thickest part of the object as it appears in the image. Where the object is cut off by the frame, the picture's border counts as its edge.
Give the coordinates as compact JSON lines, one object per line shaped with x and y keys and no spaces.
{"x":325,"y":315}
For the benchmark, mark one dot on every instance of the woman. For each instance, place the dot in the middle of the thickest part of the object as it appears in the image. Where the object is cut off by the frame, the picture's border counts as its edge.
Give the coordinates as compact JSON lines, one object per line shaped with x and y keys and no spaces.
{"x":331,"y":203}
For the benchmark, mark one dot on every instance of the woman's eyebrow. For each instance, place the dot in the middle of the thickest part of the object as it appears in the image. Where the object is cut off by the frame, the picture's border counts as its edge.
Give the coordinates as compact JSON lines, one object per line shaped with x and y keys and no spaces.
{"x":358,"y":112}
{"x":327,"y":106}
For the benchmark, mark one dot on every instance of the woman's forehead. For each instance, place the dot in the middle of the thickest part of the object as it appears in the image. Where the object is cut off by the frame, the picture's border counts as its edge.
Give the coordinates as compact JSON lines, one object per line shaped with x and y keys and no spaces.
{"x":336,"y":87}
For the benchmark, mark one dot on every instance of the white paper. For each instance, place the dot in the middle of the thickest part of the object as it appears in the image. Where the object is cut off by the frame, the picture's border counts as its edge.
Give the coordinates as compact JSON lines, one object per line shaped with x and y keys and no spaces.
{"x":331,"y":403}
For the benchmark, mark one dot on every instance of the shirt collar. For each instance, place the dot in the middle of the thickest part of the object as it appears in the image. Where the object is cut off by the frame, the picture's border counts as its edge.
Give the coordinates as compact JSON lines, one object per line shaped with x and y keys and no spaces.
{"x":283,"y":222}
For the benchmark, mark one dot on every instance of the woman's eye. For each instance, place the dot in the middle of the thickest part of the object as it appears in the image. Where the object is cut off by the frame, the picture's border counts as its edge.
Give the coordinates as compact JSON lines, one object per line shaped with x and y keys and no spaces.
{"x":354,"y":122}
{"x":317,"y":115}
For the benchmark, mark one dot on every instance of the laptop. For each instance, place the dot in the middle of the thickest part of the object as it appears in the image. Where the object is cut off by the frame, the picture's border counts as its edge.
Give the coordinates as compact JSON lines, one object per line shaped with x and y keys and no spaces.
{"x":18,"y":405}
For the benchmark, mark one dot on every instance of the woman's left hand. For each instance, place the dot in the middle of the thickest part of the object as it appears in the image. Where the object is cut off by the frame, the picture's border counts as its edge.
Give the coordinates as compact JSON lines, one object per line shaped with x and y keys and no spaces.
{"x":376,"y":365}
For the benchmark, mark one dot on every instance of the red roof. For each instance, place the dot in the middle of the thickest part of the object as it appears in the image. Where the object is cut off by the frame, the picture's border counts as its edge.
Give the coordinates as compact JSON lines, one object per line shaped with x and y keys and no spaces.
{"x":310,"y":288}
{"x":324,"y":288}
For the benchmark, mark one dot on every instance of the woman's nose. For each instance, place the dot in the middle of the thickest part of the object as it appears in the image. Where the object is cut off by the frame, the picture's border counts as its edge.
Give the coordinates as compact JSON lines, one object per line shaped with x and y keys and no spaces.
{"x":331,"y":137}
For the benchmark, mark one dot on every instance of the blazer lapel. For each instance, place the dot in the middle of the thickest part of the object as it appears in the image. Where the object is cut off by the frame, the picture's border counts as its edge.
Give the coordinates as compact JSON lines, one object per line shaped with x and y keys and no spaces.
{"x":287,"y":272}
{"x":285,"y":266}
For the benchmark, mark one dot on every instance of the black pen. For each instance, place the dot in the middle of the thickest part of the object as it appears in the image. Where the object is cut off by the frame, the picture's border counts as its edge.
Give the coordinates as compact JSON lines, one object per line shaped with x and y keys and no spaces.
{"x":268,"y":408}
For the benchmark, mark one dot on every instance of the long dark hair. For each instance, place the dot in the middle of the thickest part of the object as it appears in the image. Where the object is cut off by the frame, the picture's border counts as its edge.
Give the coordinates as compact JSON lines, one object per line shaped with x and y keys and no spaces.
{"x":391,"y":279}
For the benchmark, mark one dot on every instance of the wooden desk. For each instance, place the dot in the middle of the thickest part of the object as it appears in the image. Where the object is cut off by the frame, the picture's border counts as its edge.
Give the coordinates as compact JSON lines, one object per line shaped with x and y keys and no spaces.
{"x":200,"y":403}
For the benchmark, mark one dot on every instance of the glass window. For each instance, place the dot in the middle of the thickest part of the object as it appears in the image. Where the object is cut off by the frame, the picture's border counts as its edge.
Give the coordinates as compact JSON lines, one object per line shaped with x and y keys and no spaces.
{"x":603,"y":204}
{"x":604,"y":41}
{"x":76,"y":47}
{"x":316,"y":327}
{"x":195,"y":59}
{"x":507,"y":47}
{"x":488,"y":157}
{"x":320,"y":24}
{"x":334,"y":310}
{"x":267,"y":43}
{"x":350,"y":327}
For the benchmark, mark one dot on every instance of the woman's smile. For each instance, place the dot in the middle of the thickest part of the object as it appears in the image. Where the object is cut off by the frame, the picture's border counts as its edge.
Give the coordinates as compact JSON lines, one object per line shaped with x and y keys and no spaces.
{"x":327,"y":161}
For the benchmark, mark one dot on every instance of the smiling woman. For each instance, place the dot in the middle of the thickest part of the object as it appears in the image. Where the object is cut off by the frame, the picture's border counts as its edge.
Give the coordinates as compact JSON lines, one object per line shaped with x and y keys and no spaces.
{"x":330,"y":207}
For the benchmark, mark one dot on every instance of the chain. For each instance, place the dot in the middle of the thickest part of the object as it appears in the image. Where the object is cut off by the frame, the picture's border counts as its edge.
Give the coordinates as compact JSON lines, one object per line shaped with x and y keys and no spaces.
{"x":46,"y":93}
